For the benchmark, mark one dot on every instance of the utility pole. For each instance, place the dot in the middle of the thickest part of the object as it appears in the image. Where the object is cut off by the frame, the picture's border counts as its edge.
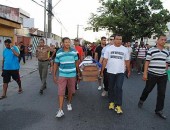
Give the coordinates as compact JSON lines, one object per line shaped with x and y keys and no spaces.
{"x":49,"y":18}
{"x":77,"y":31}
{"x":61,"y":33}
{"x":45,"y":36}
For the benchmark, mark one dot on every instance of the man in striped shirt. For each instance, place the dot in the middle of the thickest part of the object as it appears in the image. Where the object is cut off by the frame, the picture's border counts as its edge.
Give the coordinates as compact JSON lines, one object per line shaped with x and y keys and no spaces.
{"x":155,"y":73}
{"x":141,"y":53}
{"x":67,"y":62}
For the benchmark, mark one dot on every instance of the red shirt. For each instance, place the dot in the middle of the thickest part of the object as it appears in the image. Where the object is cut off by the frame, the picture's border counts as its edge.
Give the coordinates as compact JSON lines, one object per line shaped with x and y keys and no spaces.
{"x":79,"y":50}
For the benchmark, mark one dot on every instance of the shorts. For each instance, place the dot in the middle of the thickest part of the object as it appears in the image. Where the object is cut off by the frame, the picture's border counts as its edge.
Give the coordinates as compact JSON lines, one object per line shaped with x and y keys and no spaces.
{"x":63,"y":82}
{"x":7,"y":74}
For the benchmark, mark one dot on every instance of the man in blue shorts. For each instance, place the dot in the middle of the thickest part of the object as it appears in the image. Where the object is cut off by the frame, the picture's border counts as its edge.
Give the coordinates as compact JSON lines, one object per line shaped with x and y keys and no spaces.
{"x":10,"y":67}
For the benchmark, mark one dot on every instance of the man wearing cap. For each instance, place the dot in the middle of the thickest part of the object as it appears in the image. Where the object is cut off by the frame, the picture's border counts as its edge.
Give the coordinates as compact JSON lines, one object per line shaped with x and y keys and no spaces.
{"x":79,"y":50}
{"x":10,"y":67}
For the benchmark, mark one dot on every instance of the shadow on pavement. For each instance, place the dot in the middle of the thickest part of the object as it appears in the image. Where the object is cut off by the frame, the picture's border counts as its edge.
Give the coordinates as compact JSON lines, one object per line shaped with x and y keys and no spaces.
{"x":18,"y":119}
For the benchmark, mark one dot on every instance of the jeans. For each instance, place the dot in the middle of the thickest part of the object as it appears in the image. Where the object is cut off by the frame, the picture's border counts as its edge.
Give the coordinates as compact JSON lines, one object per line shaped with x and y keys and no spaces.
{"x":140,"y":64}
{"x":29,"y":54}
{"x":23,"y":57}
{"x":105,"y":79}
{"x":161,"y":82}
{"x":115,"y":91}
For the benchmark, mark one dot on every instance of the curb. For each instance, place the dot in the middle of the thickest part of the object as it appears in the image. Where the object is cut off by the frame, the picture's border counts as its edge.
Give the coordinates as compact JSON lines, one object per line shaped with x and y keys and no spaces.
{"x":21,"y":76}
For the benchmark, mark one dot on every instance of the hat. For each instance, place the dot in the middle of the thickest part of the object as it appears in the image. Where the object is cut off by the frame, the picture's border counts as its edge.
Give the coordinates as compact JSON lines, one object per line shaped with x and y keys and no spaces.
{"x":8,"y":41}
{"x":76,"y":39}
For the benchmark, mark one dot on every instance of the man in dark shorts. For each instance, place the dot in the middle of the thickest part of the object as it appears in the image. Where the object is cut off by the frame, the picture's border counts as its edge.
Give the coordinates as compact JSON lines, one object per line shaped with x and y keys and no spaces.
{"x":10,"y":67}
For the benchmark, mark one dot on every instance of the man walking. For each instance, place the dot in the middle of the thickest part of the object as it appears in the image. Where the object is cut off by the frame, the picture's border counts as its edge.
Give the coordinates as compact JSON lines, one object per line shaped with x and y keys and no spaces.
{"x":97,"y":55}
{"x":116,"y":57}
{"x":10,"y":67}
{"x":42,"y":52}
{"x":66,"y":62}
{"x":155,"y":73}
{"x":105,"y":75}
{"x":79,"y":50}
{"x":141,"y":54}
{"x":22,"y":52}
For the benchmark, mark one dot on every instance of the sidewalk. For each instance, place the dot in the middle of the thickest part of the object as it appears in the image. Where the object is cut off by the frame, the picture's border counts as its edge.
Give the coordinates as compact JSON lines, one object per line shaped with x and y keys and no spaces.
{"x":29,"y":67}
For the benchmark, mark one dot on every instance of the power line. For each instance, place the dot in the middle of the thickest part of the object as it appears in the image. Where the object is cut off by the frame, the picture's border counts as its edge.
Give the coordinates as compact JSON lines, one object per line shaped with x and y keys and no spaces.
{"x":38,"y":3}
{"x":58,"y":20}
{"x":56,"y":4}
{"x":49,"y":11}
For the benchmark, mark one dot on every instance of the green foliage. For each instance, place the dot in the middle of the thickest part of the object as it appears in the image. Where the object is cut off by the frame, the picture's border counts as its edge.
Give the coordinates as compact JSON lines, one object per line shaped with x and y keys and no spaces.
{"x":86,"y":42}
{"x":133,"y":19}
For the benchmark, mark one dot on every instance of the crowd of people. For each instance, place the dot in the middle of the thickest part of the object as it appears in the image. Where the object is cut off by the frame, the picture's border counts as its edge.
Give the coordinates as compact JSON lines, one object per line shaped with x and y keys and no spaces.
{"x":117,"y":59}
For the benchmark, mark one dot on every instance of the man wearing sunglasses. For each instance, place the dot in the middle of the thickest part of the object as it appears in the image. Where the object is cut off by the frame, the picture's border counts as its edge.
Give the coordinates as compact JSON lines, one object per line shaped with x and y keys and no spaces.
{"x":116,"y":57}
{"x":105,"y":75}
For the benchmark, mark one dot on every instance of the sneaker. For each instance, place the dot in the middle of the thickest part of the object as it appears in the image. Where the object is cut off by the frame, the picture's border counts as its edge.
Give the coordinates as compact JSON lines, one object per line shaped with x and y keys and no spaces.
{"x":111,"y":106}
{"x":161,"y":115}
{"x":77,"y":86}
{"x":100,"y":88}
{"x":140,"y":104}
{"x":59,"y":114}
{"x":104,"y":93}
{"x":139,"y":73}
{"x":118,"y":110}
{"x":69,"y":108}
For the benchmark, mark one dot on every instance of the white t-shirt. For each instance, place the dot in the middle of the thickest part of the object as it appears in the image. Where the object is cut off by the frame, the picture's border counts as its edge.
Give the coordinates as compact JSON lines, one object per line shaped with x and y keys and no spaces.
{"x":116,"y":59}
{"x":103,"y":51}
{"x":129,"y":50}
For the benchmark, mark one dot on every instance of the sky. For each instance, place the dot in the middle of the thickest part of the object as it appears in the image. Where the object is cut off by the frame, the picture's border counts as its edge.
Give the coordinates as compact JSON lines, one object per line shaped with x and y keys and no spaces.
{"x":70,"y":12}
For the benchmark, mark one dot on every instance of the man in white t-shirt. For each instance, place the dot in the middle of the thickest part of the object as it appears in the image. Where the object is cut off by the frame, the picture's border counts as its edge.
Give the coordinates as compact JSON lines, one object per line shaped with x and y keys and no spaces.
{"x":105,"y":77}
{"x":116,"y":57}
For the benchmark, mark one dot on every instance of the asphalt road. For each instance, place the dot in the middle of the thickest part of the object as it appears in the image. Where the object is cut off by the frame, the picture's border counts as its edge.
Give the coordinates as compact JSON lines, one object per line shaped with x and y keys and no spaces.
{"x":31,"y":111}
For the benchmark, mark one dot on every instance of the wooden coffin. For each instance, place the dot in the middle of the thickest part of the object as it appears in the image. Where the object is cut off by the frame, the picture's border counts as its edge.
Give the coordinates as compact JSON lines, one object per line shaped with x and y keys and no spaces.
{"x":90,"y":72}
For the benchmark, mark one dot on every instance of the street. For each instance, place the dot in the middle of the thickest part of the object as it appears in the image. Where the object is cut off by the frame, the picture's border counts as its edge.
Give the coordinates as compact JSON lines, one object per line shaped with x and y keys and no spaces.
{"x":31,"y":111}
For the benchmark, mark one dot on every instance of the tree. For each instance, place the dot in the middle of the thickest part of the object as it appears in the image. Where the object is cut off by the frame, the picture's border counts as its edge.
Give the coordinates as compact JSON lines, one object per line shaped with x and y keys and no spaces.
{"x":133,"y":19}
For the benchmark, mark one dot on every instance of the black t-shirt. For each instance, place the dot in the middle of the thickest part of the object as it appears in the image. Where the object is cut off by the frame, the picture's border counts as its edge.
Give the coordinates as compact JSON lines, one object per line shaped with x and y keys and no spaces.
{"x":56,"y":49}
{"x":89,"y":52}
{"x":99,"y":51}
{"x":22,"y":49}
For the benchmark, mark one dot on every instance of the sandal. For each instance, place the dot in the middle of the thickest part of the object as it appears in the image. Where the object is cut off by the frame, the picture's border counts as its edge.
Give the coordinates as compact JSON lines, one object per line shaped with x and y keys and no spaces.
{"x":2,"y":97}
{"x":20,"y":91}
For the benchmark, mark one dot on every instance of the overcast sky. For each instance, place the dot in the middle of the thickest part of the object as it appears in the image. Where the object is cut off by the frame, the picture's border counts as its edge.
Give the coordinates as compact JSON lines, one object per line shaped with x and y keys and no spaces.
{"x":70,"y":12}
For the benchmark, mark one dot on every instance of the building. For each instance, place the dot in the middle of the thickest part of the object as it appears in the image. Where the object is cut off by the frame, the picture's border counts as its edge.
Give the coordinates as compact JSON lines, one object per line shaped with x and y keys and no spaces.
{"x":152,"y":41}
{"x":9,"y":21}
